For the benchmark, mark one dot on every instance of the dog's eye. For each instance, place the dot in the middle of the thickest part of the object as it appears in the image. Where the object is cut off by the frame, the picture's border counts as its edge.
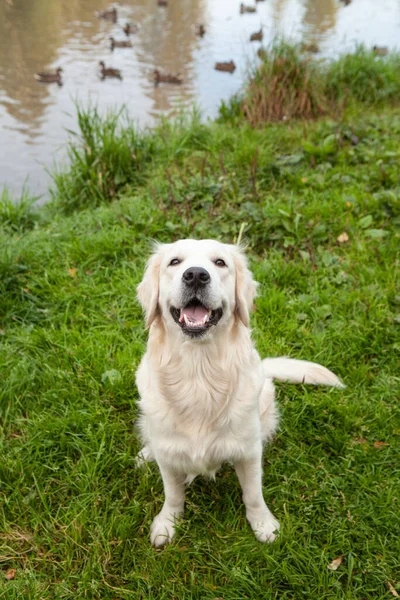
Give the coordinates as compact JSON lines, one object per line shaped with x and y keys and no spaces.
{"x":220,"y":263}
{"x":174,"y":262}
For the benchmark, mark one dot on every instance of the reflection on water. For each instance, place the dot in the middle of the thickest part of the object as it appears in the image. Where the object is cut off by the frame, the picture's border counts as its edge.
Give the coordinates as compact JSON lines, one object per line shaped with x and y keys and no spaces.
{"x":36,"y":35}
{"x":319,"y":16}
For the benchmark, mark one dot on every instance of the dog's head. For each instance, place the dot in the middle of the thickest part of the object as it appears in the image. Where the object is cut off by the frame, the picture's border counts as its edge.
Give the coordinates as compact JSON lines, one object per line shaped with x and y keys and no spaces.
{"x":197,"y":286}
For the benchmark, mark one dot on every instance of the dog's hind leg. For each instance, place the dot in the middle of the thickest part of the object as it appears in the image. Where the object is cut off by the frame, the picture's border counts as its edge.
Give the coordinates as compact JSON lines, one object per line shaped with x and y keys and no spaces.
{"x":269,"y":415}
{"x":145,"y":455}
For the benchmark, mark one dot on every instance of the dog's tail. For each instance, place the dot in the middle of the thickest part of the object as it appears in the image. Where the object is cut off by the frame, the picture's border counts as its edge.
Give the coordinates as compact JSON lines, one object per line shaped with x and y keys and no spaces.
{"x":300,"y":371}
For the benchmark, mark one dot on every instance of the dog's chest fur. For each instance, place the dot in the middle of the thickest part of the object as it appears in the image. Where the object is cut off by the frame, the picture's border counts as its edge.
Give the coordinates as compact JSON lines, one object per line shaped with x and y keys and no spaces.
{"x":198,"y":390}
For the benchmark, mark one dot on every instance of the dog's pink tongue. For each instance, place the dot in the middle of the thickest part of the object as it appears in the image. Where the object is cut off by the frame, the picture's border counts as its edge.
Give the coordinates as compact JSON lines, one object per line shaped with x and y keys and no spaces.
{"x":195,"y":313}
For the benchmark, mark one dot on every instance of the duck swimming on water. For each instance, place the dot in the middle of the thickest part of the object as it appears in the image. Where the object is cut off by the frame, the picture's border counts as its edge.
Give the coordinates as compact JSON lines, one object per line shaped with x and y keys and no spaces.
{"x":109,"y":71}
{"x":110,"y":14}
{"x":257,"y":36}
{"x":247,"y":9}
{"x":120,"y":43}
{"x":167,"y":77}
{"x":130,"y":28}
{"x":228,"y":67}
{"x":47,"y":77}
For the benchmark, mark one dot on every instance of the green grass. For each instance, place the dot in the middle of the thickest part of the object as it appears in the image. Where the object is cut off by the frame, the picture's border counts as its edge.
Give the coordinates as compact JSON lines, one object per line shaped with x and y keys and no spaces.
{"x":17,"y":215}
{"x":362,"y":76}
{"x":104,"y":156}
{"x":74,"y":511}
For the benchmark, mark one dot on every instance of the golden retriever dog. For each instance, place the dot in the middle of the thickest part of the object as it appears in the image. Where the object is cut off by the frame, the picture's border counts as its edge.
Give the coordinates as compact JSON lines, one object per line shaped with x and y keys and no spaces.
{"x":206,"y":397}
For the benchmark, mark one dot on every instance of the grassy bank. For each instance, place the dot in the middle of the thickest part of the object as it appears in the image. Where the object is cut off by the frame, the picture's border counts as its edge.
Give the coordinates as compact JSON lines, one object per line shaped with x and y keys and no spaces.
{"x":319,"y":205}
{"x":288,"y":84}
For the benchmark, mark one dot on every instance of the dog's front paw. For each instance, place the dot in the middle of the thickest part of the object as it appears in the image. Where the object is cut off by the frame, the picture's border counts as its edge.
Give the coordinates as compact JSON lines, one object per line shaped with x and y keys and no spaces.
{"x":264,"y":527}
{"x":162,"y":530}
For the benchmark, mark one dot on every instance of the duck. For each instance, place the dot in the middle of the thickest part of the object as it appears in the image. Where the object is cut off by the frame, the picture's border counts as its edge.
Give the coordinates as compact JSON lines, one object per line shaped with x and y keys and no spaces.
{"x":247,"y":9}
{"x":162,"y":2}
{"x":380,"y":50}
{"x":120,"y":43}
{"x":54,"y":77}
{"x":257,"y":36}
{"x":110,"y":14}
{"x":109,"y":71}
{"x":309,"y":48}
{"x":200,"y":30}
{"x":167,"y":77}
{"x":229,"y":67}
{"x":262,"y":53}
{"x":130,"y":28}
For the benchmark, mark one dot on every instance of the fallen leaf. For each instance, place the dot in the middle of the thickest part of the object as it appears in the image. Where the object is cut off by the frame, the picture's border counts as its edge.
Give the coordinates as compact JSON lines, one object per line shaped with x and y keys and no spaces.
{"x":10,"y":574}
{"x":380,"y":444}
{"x":392,"y":590}
{"x":335,"y":564}
{"x":72,"y":272}
{"x":343,"y":238}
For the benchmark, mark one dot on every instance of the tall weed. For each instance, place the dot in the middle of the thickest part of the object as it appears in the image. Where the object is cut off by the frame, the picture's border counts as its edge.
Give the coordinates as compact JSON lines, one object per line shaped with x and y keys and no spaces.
{"x":285,"y":86}
{"x":17,"y":215}
{"x":104,"y":158}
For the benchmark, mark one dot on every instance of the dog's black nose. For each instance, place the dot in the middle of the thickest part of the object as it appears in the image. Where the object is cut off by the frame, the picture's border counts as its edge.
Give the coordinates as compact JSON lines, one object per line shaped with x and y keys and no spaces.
{"x":196,"y":277}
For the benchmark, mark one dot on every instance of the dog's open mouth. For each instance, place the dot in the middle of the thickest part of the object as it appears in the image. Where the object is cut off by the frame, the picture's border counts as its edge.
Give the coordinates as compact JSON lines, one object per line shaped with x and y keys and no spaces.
{"x":195,"y":318}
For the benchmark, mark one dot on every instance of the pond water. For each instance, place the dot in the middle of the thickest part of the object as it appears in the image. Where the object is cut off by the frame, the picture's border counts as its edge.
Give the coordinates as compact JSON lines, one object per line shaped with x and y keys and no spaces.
{"x":37,"y":35}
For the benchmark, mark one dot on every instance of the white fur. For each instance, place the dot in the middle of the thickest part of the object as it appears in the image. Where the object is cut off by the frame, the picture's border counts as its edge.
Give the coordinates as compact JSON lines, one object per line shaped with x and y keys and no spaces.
{"x":211,"y":400}
{"x":300,"y":371}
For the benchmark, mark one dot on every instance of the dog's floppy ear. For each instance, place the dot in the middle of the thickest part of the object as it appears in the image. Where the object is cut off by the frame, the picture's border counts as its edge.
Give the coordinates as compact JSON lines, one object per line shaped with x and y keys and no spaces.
{"x":246,"y":287}
{"x":148,"y":288}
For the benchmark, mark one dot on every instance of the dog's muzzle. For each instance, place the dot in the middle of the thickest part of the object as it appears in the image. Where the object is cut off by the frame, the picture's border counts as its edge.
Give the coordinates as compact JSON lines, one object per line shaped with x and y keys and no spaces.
{"x":194,"y":317}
